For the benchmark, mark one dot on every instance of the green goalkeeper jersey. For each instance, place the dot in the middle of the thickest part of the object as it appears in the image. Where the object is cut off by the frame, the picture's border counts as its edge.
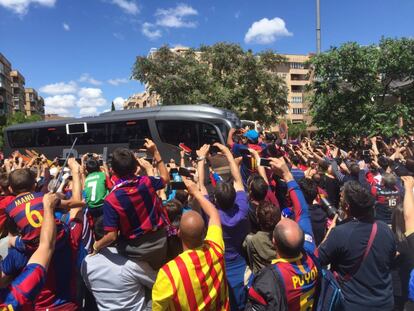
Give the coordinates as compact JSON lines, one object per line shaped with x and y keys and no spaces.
{"x":95,"y":189}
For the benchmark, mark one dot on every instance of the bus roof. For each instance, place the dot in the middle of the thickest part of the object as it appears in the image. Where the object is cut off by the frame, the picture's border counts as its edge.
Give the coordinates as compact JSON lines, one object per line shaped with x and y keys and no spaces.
{"x":121,"y":115}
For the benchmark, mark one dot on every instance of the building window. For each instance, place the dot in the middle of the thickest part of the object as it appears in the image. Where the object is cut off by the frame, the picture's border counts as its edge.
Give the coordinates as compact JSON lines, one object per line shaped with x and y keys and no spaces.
{"x":297,"y":88}
{"x":296,"y":99}
{"x":299,"y":110}
{"x":297,"y":66}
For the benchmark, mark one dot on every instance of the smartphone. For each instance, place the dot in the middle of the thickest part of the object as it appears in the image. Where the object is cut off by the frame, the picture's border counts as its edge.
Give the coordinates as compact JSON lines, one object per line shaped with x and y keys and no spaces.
{"x":214,"y":150}
{"x":185,"y":148}
{"x":185,"y":172}
{"x":264,"y":162}
{"x":178,"y":185}
{"x":366,"y":153}
{"x":76,"y":128}
{"x":173,"y":171}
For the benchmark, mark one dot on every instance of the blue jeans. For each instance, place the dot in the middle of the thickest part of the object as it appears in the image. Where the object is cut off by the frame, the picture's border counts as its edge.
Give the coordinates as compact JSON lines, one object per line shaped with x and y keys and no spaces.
{"x":235,"y":270}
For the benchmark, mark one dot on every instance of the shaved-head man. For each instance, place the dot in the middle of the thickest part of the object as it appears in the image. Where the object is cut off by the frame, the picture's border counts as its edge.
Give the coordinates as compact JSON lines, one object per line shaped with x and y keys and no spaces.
{"x":192,"y":230}
{"x":195,"y":279}
{"x":290,"y":281}
{"x":288,"y":238}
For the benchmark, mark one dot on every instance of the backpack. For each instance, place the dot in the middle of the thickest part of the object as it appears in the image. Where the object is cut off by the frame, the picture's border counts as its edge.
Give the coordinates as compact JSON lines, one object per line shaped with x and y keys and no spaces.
{"x":330,"y":296}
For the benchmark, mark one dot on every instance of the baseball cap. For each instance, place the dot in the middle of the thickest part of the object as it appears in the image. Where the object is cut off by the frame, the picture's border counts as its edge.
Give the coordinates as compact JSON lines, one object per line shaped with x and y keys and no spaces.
{"x":252,"y":135}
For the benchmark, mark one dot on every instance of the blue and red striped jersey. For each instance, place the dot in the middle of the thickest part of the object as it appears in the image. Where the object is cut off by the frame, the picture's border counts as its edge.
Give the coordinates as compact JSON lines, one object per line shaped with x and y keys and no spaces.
{"x":22,"y":292}
{"x":26,"y":211}
{"x":134,"y":208}
{"x":59,"y":290}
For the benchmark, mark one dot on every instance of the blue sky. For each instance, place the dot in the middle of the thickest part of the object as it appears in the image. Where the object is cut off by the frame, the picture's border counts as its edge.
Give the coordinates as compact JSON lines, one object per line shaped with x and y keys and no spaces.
{"x":79,"y":53}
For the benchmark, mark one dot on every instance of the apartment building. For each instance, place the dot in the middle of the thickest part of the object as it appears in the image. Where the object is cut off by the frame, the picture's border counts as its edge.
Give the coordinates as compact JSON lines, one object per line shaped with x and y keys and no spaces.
{"x":141,"y":100}
{"x":6,"y":101}
{"x":296,"y":74}
{"x":34,"y":104}
{"x":17,"y":87}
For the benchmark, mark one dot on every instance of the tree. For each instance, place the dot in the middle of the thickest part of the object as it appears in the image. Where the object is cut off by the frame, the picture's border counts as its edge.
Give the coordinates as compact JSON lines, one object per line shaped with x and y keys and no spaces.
{"x":16,"y":118}
{"x":364,"y":89}
{"x":113,"y":106}
{"x":223,"y":75}
{"x":297,"y":130}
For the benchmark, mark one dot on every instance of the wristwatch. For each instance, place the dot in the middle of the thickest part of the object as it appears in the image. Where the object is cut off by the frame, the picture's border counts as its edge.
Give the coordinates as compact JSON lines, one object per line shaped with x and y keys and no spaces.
{"x":200,"y":159}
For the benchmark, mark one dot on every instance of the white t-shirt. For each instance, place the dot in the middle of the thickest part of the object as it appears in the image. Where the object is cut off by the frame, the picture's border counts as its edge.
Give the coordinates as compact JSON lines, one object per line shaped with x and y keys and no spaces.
{"x":116,"y":282}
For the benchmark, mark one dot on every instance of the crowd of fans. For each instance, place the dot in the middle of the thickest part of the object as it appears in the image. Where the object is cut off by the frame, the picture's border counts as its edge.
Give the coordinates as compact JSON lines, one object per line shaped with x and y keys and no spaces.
{"x":141,"y":232}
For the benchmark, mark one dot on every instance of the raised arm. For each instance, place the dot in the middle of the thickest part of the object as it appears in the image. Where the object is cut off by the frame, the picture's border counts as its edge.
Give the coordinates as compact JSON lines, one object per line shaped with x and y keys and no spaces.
{"x":408,"y":203}
{"x":152,"y":149}
{"x":300,"y":207}
{"x":44,"y":252}
{"x":230,"y":141}
{"x":234,"y":168}
{"x":205,"y":204}
{"x":201,"y":161}
{"x":260,"y":169}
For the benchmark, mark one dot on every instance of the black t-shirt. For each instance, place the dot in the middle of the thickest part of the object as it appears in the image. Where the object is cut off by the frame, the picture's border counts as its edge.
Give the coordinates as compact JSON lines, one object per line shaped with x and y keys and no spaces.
{"x":332,"y":188}
{"x":318,"y":220}
{"x":371,"y":286}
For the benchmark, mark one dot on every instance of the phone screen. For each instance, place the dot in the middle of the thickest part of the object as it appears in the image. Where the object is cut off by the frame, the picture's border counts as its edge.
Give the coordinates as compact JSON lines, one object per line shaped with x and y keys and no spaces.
{"x":184,"y":172}
{"x":264,"y":162}
{"x":178,"y":185}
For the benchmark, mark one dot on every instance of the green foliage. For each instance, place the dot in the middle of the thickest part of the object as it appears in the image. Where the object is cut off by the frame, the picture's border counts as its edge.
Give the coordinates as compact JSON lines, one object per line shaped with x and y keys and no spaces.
{"x":354,"y":89}
{"x":296,"y":130}
{"x":16,"y":118}
{"x":223,"y":75}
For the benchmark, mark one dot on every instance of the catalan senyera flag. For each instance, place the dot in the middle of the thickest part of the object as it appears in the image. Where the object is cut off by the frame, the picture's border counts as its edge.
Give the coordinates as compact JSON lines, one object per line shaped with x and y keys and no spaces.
{"x":195,"y":279}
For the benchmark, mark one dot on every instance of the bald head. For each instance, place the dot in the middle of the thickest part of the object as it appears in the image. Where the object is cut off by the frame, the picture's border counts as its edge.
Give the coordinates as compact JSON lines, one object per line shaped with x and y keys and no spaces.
{"x":192,"y":230}
{"x":288,"y":238}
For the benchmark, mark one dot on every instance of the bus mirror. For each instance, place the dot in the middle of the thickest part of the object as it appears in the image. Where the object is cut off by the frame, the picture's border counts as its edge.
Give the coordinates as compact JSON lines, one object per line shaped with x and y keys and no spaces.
{"x":76,"y":128}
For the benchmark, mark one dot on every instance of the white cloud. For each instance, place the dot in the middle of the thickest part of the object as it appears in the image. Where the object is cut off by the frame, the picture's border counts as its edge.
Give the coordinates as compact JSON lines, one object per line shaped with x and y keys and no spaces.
{"x":56,"y":110}
{"x":86,"y":78}
{"x":59,"y":88}
{"x":69,"y":99}
{"x":266,"y":31}
{"x":88,"y":111}
{"x":118,"y":81}
{"x":119,"y":103}
{"x":60,"y":104}
{"x":150,"y":31}
{"x":61,"y":101}
{"x":89,"y":92}
{"x":128,"y":6}
{"x":66,"y":27}
{"x":85,"y":102}
{"x":21,"y":7}
{"x":176,"y":17}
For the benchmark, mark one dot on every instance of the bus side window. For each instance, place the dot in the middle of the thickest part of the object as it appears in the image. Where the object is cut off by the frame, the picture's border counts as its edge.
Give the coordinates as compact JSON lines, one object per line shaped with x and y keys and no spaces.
{"x":174,"y":132}
{"x":21,"y":138}
{"x":208,"y":134}
{"x":97,"y":134}
{"x":51,"y":136}
{"x":127,"y":131}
